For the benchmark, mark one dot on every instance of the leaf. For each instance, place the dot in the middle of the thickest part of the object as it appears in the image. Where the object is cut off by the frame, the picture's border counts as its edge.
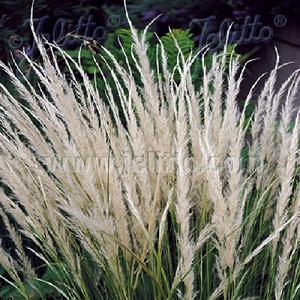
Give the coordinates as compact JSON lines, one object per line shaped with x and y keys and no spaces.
{"x":10,"y":292}
{"x":92,"y":70}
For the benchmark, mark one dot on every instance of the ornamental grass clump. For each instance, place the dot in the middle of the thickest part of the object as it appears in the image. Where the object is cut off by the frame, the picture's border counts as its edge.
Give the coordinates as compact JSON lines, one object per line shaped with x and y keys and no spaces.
{"x":173,"y":203}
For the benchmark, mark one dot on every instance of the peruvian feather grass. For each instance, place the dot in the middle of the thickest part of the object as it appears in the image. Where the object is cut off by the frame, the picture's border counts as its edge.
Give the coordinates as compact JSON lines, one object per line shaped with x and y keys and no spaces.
{"x":166,"y":206}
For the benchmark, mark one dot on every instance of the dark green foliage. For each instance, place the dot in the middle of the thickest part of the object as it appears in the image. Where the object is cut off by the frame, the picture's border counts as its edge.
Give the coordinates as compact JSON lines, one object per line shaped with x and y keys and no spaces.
{"x":183,"y":47}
